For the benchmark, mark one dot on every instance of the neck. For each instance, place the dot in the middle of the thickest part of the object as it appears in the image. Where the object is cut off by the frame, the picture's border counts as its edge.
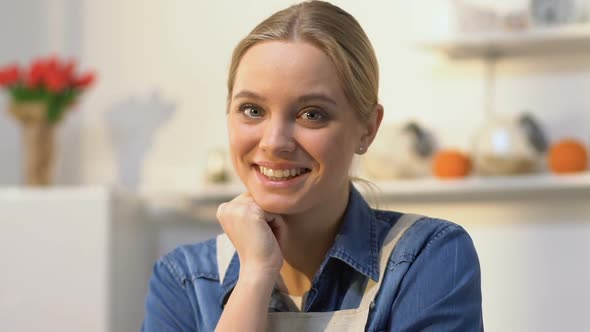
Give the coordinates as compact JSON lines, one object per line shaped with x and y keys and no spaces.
{"x":308,"y":238}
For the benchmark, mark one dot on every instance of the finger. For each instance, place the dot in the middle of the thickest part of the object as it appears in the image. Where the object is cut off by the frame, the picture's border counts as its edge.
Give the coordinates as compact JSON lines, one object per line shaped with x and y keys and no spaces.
{"x":220,"y":210}
{"x":277,"y":226}
{"x":275,"y":219}
{"x":246,"y":196}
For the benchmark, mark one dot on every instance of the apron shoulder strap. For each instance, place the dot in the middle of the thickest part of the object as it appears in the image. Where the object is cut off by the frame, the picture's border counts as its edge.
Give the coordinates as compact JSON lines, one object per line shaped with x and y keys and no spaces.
{"x":225,"y":252}
{"x":395,"y":234}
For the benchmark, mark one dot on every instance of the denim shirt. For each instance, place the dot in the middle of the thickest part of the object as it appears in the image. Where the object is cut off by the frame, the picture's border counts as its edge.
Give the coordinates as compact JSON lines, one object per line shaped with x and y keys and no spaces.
{"x":432,"y":282}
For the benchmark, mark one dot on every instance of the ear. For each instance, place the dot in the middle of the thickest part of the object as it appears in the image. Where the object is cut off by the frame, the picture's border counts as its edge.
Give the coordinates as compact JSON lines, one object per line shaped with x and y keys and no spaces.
{"x":370,"y":128}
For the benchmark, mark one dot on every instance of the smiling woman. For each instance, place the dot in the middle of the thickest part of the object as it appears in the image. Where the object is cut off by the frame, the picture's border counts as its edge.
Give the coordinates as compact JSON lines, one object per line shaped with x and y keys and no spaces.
{"x":301,"y":249}
{"x":289,"y":112}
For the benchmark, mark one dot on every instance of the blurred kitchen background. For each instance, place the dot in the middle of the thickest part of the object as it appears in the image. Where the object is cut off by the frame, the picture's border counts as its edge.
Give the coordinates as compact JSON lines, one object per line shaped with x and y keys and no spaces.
{"x":140,"y":162}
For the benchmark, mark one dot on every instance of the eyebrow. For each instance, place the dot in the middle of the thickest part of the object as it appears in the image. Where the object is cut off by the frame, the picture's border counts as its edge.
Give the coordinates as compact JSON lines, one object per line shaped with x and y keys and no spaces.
{"x":317,"y":96}
{"x":302,"y":99}
{"x":248,"y":94}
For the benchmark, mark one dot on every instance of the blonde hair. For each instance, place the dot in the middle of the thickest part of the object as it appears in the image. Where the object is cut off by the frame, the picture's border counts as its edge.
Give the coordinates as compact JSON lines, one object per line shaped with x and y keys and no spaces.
{"x":337,"y":34}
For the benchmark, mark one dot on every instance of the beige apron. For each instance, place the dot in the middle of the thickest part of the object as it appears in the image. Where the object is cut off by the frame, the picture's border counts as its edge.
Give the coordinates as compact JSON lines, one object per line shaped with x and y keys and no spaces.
{"x":341,"y":320}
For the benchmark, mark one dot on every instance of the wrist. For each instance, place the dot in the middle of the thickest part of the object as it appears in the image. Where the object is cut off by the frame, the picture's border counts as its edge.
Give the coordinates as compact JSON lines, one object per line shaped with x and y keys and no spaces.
{"x":258,"y":277}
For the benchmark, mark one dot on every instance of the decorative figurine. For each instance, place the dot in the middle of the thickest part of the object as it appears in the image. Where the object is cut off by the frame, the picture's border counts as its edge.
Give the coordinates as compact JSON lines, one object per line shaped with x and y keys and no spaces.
{"x":400,"y":151}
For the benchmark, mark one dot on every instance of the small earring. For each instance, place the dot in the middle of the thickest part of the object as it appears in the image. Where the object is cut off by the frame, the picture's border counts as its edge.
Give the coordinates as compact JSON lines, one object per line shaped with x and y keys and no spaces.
{"x":361,"y":149}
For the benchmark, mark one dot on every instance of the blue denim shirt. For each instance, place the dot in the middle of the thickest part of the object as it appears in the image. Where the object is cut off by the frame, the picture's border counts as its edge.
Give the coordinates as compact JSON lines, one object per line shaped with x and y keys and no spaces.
{"x":432,"y":282}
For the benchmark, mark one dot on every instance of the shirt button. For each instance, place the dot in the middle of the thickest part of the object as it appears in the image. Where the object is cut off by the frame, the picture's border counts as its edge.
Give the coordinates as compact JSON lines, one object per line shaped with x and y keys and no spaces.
{"x":372,"y":305}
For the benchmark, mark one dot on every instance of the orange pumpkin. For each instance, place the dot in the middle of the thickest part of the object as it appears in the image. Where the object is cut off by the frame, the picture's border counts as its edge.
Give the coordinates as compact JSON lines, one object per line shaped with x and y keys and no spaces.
{"x":568,"y":156}
{"x":448,"y":164}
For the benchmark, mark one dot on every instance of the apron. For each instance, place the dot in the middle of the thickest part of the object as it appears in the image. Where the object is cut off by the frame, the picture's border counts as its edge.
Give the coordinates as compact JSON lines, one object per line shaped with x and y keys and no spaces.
{"x":341,"y":320}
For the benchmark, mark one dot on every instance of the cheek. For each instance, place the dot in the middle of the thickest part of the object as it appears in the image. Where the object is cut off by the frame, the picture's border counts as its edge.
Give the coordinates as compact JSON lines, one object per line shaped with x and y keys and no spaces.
{"x":333,"y":150}
{"x":242,"y":139}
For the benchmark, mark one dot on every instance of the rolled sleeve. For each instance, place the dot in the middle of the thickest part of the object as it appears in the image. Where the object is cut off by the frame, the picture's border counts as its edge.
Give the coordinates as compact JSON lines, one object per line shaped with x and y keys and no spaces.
{"x":441,"y":290}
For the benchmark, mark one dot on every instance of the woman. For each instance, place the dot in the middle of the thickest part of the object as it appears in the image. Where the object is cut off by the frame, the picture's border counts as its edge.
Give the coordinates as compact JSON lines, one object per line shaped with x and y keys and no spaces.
{"x":302,"y":250}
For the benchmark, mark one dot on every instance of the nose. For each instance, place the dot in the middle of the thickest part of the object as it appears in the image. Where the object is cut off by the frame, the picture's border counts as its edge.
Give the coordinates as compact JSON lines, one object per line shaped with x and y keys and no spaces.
{"x":277,"y":137}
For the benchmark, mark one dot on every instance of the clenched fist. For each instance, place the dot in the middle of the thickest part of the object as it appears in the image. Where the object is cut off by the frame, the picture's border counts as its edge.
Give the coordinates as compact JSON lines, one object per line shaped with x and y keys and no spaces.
{"x":255,"y":234}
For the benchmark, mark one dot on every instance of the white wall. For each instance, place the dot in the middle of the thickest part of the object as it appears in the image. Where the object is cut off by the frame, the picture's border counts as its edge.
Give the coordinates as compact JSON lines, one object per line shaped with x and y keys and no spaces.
{"x":175,"y":55}
{"x":179,"y":52}
{"x":191,"y":44}
{"x":28,"y":41}
{"x":534,"y":251}
{"x":28,"y":29}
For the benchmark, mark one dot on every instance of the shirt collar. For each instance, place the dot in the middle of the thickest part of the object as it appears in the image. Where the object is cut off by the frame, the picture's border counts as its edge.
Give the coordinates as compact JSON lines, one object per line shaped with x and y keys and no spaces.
{"x":356,"y":244}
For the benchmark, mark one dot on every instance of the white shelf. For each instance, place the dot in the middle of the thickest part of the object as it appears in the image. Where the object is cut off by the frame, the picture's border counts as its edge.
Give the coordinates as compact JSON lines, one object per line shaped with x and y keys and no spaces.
{"x":483,"y":188}
{"x":422,"y":190}
{"x":568,"y":38}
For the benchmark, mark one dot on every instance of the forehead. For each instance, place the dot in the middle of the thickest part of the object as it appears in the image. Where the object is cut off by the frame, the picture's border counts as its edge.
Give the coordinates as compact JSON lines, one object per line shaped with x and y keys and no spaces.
{"x":287,"y":68}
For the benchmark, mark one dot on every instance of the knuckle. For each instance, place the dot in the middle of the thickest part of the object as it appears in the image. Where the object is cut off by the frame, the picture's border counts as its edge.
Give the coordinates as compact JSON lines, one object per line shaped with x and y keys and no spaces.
{"x":221,"y":210}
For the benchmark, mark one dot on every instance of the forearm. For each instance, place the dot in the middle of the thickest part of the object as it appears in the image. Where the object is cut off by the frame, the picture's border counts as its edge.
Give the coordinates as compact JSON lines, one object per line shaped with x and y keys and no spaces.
{"x":247,"y":306}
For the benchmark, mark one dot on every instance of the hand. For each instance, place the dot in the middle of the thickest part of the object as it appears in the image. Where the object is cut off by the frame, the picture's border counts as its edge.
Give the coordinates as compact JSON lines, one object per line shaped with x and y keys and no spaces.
{"x":255,"y":234}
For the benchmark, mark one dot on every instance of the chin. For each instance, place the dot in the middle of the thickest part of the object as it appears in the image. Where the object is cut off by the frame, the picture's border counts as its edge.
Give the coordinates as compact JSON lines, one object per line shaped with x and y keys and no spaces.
{"x":277,"y":205}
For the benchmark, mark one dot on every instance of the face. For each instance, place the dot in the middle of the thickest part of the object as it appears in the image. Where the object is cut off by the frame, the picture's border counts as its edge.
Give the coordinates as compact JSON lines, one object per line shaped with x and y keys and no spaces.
{"x":292,"y":132}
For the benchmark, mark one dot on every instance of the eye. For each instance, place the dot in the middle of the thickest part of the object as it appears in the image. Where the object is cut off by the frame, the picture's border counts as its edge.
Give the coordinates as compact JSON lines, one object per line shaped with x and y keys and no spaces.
{"x":251,"y":111}
{"x":313,"y":115}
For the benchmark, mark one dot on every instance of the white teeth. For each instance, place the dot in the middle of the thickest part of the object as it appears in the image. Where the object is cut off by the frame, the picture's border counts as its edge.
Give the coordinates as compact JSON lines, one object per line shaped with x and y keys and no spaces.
{"x":280,"y":174}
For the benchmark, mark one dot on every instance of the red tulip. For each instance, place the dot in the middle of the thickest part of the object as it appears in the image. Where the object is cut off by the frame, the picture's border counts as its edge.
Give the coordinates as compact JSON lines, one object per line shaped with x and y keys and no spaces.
{"x":68,"y":71}
{"x":52,"y":63}
{"x":84,"y":80}
{"x":56,"y":82}
{"x":36,"y":73}
{"x":9,"y":75}
{"x":49,"y":73}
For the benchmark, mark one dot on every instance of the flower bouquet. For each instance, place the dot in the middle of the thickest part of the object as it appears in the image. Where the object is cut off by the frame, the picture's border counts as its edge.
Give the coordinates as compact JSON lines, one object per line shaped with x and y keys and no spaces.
{"x":40,"y":95}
